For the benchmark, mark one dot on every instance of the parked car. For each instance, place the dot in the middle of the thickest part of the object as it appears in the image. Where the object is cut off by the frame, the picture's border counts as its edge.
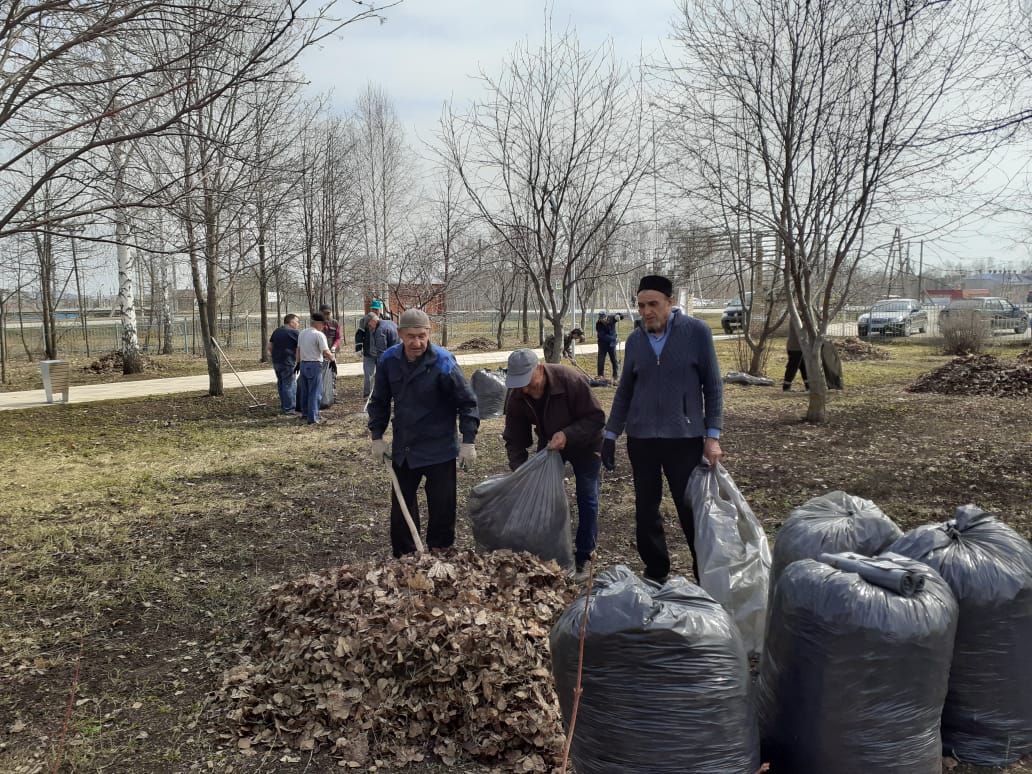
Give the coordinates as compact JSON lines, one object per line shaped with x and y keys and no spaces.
{"x":734,"y":314}
{"x":893,"y":317}
{"x":998,"y":314}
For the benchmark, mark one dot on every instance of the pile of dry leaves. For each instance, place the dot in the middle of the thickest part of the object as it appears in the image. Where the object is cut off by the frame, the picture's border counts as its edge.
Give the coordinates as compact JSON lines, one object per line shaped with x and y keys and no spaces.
{"x":856,"y":349}
{"x":478,"y":344}
{"x":383,"y":663}
{"x":1025,"y":356}
{"x":111,"y":362}
{"x":977,"y":375}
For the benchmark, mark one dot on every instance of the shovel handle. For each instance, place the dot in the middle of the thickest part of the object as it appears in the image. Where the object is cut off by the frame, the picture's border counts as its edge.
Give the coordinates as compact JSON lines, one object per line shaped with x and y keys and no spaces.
{"x":404,"y":507}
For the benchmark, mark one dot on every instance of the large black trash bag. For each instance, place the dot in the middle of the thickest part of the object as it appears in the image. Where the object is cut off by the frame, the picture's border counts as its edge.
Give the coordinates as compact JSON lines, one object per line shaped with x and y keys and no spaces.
{"x":854,"y":675}
{"x":987,"y":719}
{"x":525,"y":510}
{"x":665,"y":681}
{"x":830,"y":524}
{"x":489,"y":387}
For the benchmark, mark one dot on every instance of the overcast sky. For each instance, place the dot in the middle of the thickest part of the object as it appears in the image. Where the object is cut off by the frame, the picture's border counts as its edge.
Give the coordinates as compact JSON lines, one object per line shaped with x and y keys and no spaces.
{"x":429,"y":50}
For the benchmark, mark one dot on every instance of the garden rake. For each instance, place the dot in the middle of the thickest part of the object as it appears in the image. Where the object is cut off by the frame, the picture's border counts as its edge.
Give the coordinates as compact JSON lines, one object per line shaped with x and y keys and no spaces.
{"x":255,"y":403}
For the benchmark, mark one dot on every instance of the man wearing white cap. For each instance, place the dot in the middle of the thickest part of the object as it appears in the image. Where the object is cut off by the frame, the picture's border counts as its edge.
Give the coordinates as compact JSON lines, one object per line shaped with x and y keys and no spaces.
{"x":428,"y":393}
{"x":557,"y":403}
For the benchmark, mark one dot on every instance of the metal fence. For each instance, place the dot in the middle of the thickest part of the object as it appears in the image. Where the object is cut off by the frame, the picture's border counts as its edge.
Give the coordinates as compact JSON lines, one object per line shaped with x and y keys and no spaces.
{"x":105,"y":335}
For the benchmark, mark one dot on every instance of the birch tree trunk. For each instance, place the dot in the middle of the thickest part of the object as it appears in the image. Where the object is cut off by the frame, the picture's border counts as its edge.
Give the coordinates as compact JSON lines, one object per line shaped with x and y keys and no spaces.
{"x":132,"y":363}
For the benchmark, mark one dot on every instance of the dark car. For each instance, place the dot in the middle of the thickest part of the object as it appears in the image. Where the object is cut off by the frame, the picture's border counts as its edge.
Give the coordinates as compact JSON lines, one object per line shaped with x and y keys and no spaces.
{"x":893,"y":317}
{"x":997,"y":314}
{"x":734,"y":314}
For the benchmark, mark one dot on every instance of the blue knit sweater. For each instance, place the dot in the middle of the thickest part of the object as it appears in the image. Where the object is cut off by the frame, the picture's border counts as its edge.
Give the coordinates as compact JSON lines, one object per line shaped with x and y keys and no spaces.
{"x":675,"y":395}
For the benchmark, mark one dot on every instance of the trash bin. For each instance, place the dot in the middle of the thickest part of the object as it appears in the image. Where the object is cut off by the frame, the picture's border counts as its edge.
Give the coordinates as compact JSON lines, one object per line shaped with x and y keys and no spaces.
{"x":57,"y":377}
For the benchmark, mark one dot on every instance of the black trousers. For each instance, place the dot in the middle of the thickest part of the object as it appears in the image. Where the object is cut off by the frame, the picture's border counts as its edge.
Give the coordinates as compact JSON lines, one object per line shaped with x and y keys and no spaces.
{"x":609,"y":350}
{"x":795,"y":363}
{"x":440,"y":500}
{"x":651,"y":460}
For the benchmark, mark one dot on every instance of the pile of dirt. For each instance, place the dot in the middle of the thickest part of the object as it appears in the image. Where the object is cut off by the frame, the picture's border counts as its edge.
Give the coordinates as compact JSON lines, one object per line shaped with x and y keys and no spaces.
{"x":857,"y":349}
{"x":1025,"y":356}
{"x":111,"y":362}
{"x":977,"y":375}
{"x":478,"y":344}
{"x":384,"y":663}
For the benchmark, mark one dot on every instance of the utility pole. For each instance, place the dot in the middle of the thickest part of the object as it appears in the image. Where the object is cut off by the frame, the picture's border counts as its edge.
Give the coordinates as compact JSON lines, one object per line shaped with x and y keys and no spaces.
{"x":920,"y":271}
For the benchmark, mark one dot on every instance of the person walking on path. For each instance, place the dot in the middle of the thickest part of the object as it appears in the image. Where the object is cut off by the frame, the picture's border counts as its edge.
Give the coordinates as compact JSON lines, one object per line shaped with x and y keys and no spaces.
{"x":423,"y":386}
{"x":608,"y":338}
{"x":670,"y":401}
{"x":795,"y":360}
{"x":373,"y":337}
{"x":559,"y":405}
{"x":282,"y":349}
{"x":312,"y":347}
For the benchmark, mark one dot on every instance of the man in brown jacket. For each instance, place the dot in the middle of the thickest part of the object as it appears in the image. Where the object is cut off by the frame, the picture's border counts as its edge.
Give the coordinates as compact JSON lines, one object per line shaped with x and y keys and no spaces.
{"x":558,"y":404}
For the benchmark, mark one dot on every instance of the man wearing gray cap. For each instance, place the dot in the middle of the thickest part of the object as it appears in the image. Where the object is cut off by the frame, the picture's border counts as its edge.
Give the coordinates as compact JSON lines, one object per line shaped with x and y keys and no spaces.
{"x":557,"y":403}
{"x":428,"y":392}
{"x":670,"y":400}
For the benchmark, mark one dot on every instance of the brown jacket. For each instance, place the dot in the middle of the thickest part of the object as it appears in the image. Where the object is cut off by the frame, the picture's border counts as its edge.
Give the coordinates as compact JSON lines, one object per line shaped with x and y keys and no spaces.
{"x":568,"y":405}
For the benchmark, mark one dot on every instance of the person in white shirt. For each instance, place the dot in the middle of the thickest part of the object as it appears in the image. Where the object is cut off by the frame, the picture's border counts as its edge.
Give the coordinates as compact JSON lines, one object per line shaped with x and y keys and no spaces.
{"x":312,"y":347}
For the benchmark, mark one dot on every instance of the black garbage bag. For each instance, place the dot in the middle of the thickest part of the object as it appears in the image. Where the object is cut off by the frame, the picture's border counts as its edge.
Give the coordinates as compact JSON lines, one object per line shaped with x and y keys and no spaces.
{"x":987,"y":719}
{"x":328,"y":392}
{"x":525,"y":510}
{"x":830,"y":524}
{"x":489,"y":387}
{"x":665,"y":681}
{"x":854,"y":675}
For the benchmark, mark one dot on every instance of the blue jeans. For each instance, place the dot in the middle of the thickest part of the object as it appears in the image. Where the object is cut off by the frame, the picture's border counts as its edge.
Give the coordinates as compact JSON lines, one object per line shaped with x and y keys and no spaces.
{"x":309,"y":386}
{"x":586,"y":474}
{"x":286,"y":383}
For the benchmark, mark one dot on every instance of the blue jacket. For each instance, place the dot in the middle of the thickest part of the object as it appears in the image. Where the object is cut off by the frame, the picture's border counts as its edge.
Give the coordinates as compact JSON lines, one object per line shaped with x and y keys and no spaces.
{"x":383,"y":338}
{"x":676,"y":395}
{"x":605,"y":329}
{"x":427,"y":398}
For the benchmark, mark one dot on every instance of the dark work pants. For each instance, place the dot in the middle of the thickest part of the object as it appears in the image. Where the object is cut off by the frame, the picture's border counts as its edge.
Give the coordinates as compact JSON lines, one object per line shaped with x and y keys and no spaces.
{"x":795,"y":363}
{"x":609,"y":350}
{"x":651,"y":460}
{"x":440,"y":500}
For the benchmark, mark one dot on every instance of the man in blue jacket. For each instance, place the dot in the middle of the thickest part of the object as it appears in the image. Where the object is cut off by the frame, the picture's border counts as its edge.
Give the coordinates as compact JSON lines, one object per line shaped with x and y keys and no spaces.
{"x":605,"y":330}
{"x":670,"y":401}
{"x":373,"y":337}
{"x":428,"y":392}
{"x":283,"y":351}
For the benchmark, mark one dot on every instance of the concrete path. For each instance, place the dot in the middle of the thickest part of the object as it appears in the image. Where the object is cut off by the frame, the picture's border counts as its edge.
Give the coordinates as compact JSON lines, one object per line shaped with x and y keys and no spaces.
{"x":145,"y":387}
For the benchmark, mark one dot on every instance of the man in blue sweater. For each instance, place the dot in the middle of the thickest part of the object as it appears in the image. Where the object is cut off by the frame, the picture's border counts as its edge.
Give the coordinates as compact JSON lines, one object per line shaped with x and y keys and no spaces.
{"x":428,"y":392}
{"x":670,"y":400}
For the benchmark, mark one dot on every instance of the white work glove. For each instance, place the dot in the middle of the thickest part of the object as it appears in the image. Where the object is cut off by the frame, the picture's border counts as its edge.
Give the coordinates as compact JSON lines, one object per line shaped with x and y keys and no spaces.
{"x":378,"y":451}
{"x":467,"y":455}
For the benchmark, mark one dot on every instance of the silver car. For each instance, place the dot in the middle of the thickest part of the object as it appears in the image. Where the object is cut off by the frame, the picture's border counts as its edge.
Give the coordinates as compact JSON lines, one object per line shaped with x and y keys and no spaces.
{"x":893,"y":317}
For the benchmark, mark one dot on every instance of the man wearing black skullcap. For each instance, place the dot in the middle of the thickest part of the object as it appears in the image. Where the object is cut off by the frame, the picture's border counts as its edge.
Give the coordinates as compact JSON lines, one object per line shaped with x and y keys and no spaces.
{"x":670,"y":401}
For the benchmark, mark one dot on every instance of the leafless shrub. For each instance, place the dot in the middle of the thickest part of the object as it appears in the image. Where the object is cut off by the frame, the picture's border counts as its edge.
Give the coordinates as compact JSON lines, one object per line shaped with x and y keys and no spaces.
{"x":964,"y":332}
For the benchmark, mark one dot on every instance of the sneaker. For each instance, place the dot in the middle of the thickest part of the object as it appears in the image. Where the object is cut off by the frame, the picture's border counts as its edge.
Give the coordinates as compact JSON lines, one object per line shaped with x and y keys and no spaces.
{"x":580,"y":572}
{"x":318,"y":422}
{"x":659,"y":581}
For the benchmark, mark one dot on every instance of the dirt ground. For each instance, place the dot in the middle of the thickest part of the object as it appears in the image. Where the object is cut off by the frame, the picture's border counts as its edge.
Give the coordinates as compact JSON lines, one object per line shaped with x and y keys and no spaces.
{"x":135,"y":537}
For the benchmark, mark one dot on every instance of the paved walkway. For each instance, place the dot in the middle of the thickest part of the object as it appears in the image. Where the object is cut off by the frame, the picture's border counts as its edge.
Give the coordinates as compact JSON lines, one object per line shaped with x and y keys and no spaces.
{"x":138,"y":389}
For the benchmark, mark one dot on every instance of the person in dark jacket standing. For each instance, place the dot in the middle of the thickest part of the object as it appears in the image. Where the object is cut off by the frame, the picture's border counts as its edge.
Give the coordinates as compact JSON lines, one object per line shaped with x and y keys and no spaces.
{"x":373,"y":337}
{"x":795,"y":360}
{"x":557,"y":403}
{"x":428,"y":392}
{"x":670,"y":400}
{"x":605,"y":330}
{"x":283,"y":353}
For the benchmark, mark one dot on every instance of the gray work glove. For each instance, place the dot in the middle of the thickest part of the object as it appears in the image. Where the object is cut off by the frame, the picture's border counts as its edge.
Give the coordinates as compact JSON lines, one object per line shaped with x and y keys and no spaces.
{"x":467,"y":456}
{"x":378,"y":451}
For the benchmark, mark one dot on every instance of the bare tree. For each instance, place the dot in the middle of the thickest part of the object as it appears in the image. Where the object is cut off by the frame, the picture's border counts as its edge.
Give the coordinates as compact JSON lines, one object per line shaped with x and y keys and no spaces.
{"x":551,"y":159}
{"x":804,"y":120}
{"x":381,"y":177}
